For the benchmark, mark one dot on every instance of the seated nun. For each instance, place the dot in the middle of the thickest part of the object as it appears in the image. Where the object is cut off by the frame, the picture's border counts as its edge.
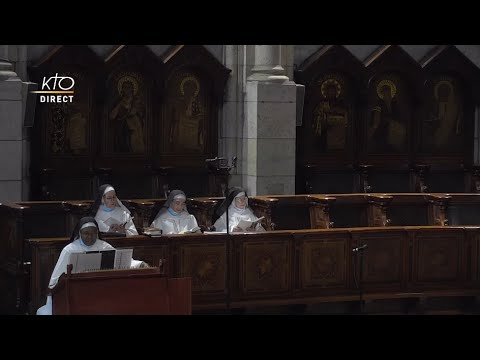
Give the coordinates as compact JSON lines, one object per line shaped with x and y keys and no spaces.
{"x":173,"y":217}
{"x":111,"y":214}
{"x":85,"y":237}
{"x":238,"y":213}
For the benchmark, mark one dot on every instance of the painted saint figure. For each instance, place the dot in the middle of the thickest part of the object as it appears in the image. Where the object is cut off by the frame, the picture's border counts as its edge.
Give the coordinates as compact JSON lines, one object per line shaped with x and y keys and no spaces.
{"x":187,"y":131}
{"x":330,"y":119}
{"x":127,"y":117}
{"x":386,"y":131}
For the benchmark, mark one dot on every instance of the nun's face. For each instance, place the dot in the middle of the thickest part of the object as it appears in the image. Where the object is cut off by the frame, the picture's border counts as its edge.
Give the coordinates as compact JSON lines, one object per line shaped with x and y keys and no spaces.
{"x":89,"y":235}
{"x":178,"y":205}
{"x":110,"y":199}
{"x":241,"y":202}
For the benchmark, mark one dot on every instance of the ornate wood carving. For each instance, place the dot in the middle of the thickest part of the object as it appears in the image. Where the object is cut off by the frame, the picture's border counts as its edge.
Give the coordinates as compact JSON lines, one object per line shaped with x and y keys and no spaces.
{"x":320,"y":211}
{"x":377,"y":210}
{"x":264,"y":207}
{"x":437,"y":209}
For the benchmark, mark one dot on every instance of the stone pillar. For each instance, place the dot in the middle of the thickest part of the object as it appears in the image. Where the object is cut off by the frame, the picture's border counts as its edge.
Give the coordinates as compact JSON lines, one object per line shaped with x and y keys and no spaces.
{"x":21,"y":64}
{"x":268,"y":64}
{"x":269,"y":129}
{"x":12,"y":146}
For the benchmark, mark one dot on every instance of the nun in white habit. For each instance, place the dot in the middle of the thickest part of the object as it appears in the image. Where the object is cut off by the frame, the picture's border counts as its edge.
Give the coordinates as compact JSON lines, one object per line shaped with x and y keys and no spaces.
{"x":84,"y":238}
{"x":173,"y":217}
{"x":238,"y":210}
{"x":111,"y":214}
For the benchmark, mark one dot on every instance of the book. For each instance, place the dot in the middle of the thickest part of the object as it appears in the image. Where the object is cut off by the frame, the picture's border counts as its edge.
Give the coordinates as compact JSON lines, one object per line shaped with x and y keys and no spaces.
{"x":83,"y":262}
{"x":110,"y":234}
{"x":195,"y":230}
{"x":107,"y":258}
{"x":151,"y":231}
{"x":101,"y":260}
{"x":245,"y":224}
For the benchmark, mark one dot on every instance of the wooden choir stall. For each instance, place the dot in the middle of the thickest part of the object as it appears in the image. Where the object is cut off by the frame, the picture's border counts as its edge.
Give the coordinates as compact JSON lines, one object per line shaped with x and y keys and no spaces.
{"x":416,"y":242}
{"x":145,"y":291}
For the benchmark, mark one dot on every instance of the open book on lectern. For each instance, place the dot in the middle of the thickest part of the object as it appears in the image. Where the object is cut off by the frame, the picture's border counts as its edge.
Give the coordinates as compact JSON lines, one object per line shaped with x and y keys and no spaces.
{"x":245,"y":224}
{"x":101,"y":260}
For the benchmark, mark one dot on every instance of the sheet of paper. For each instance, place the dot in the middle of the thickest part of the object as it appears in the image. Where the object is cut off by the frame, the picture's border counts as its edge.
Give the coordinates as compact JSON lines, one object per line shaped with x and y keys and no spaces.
{"x":110,"y":221}
{"x":123,"y":258}
{"x":85,"y":262}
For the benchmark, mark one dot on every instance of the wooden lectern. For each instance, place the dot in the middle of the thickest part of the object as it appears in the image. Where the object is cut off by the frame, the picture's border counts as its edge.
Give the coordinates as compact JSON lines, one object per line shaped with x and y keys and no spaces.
{"x":144,"y":291}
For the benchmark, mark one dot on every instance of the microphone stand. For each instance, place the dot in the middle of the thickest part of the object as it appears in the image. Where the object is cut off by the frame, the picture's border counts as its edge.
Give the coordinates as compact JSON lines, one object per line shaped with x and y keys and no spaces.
{"x":359,"y":250}
{"x":234,"y":165}
{"x":221,"y":166}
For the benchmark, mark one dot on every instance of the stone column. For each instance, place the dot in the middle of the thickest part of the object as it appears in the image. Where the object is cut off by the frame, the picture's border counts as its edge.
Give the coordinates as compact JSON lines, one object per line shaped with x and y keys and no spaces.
{"x":268,"y":64}
{"x":11,"y":131}
{"x":269,"y":127}
{"x":21,"y":64}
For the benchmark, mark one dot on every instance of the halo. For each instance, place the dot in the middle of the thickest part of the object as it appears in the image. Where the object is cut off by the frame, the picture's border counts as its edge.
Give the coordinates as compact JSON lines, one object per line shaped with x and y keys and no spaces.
{"x":130,"y":79}
{"x":338,"y":87}
{"x":390,"y":84}
{"x":442,"y":82}
{"x":192,"y":79}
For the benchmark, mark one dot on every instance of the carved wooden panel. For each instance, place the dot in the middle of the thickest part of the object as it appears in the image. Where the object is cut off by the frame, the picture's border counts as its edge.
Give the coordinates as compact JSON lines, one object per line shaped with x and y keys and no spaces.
{"x":323,"y":261}
{"x":194,"y":84}
{"x":63,"y":137}
{"x":383,"y":260}
{"x":68,"y":125}
{"x":65,"y":128}
{"x":265,"y":266}
{"x":151,"y":256}
{"x":476,"y":256}
{"x":439,"y":257}
{"x":331,"y":77}
{"x":471,"y":255}
{"x":206,"y":264}
{"x":447,"y":120}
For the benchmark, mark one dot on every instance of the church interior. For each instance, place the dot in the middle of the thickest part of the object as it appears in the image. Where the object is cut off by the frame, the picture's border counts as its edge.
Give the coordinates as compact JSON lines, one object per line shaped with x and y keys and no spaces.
{"x":361,"y":162}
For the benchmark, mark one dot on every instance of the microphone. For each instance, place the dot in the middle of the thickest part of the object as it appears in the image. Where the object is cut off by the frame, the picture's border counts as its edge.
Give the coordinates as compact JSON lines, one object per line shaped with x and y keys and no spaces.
{"x":360,"y":248}
{"x":213,"y":160}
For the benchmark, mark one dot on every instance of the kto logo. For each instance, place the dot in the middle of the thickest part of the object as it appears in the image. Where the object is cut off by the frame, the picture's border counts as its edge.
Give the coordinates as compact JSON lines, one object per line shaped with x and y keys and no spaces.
{"x":59,"y":85}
